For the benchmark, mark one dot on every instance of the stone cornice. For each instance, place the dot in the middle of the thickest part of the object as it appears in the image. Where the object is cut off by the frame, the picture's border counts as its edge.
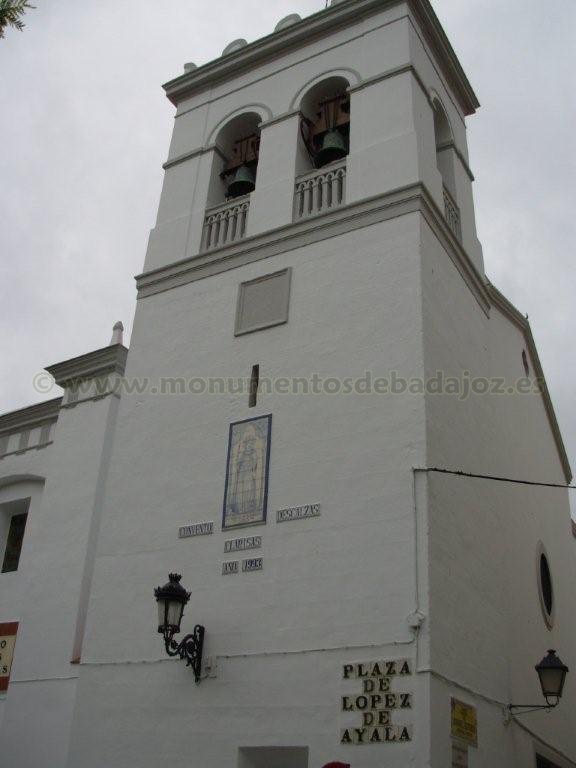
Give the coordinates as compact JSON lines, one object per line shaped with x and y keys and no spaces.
{"x":445,"y":55}
{"x":101,"y":362}
{"x":451,"y":145}
{"x":192,"y":154}
{"x":412,"y":199}
{"x":317,"y":25}
{"x":394,"y":72}
{"x":279,"y":118}
{"x":508,"y":309}
{"x":31,"y":416}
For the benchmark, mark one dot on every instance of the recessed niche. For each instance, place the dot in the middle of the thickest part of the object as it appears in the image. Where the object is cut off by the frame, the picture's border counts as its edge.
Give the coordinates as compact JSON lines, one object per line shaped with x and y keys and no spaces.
{"x":263,"y":302}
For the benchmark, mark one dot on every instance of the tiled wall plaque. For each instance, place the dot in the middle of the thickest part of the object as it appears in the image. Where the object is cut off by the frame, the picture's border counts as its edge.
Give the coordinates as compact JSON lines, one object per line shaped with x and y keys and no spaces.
{"x":247,"y":542}
{"x":298,"y":513}
{"x":246,"y":490}
{"x":230,"y":567}
{"x":195,"y":529}
{"x":377,"y":704}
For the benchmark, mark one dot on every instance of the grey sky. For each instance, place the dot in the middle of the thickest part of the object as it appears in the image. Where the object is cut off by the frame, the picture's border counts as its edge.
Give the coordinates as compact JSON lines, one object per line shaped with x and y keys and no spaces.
{"x":85,"y":128}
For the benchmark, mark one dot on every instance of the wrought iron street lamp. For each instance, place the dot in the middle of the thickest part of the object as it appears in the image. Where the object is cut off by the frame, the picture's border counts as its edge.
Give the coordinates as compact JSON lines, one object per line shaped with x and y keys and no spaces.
{"x":171,"y":599}
{"x":552,"y":673}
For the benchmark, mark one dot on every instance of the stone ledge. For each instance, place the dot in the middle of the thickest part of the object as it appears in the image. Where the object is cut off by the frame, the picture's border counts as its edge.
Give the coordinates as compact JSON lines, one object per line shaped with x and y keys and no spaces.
{"x":30,"y":417}
{"x":321,"y":23}
{"x":101,"y":362}
{"x":38,"y":447}
{"x":346,"y":218}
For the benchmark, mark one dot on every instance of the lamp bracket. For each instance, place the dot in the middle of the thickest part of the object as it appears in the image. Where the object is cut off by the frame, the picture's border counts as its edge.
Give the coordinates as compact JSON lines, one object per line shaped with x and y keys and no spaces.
{"x":525,"y":709}
{"x":189,"y":648}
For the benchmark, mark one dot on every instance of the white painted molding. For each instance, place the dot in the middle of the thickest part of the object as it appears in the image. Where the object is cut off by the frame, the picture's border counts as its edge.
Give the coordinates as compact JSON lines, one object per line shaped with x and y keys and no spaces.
{"x":353,"y":77}
{"x":20,"y":452}
{"x":30,"y":417}
{"x":394,"y":72}
{"x":262,"y":110}
{"x":346,"y":218}
{"x":280,"y":118}
{"x":8,"y":480}
{"x":510,"y":311}
{"x":90,"y":366}
{"x":451,"y":145}
{"x":323,"y":23}
{"x":192,"y":154}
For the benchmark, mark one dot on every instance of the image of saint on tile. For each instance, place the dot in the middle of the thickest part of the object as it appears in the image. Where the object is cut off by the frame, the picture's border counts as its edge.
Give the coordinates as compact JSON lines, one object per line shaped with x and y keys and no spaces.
{"x":246,"y":491}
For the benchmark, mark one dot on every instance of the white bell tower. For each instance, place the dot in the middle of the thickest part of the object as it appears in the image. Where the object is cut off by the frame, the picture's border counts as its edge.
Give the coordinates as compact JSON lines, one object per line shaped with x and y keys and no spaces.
{"x":313,"y":273}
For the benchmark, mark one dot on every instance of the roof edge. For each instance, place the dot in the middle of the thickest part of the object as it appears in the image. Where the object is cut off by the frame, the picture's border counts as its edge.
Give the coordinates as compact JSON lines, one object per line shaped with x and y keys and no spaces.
{"x":318,"y":24}
{"x":442,"y":47}
{"x":110,"y":359}
{"x":506,"y":306}
{"x":30,"y":415}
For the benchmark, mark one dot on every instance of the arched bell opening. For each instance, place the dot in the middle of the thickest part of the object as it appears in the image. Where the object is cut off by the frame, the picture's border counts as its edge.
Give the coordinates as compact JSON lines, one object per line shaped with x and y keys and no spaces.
{"x":325,"y":124}
{"x":236,"y":162}
{"x":444,"y":142}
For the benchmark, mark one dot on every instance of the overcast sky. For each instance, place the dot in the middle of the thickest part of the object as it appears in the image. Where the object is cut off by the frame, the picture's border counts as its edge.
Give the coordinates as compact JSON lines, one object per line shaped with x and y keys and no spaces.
{"x":85,"y":128}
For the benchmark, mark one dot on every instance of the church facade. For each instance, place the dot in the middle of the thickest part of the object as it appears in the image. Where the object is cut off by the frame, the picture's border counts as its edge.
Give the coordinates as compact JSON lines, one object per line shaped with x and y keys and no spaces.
{"x":330,"y":428}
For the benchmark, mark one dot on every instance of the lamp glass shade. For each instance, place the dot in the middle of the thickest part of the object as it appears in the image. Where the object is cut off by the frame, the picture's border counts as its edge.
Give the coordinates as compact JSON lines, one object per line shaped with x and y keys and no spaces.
{"x":171,"y":598}
{"x":174,"y":611}
{"x":552,"y":673}
{"x":170,"y":614}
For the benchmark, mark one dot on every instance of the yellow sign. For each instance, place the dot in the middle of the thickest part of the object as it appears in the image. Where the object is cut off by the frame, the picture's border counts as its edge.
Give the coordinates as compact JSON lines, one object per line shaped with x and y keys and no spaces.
{"x":464,"y":722}
{"x":7,"y":643}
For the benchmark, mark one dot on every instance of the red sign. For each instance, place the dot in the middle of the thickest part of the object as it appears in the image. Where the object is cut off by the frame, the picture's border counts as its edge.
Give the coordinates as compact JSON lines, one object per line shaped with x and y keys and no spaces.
{"x":8,"y":633}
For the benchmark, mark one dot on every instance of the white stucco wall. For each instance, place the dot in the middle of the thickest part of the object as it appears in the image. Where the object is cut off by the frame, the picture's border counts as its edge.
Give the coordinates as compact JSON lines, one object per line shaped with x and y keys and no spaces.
{"x":15,"y":487}
{"x":44,"y":593}
{"x":487,"y":629}
{"x":345,"y":580}
{"x":336,"y":589}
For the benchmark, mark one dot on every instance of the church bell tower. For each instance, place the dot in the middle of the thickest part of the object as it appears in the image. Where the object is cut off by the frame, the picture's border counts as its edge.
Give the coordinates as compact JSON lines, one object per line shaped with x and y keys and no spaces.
{"x":314,"y":263}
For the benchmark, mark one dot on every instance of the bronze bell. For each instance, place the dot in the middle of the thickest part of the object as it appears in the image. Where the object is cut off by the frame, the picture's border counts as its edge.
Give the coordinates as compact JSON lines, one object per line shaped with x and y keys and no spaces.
{"x":333,"y":148}
{"x":243,"y":182}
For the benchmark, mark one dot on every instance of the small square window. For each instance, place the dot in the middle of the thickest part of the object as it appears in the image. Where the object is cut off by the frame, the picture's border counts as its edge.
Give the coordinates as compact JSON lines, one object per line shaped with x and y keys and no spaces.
{"x":14,"y":542}
{"x":263,"y":303}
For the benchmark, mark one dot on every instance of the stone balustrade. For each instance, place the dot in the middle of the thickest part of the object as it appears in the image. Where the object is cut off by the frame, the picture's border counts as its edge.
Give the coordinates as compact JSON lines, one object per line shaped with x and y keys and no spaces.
{"x":320,"y":191}
{"x":225,"y":224}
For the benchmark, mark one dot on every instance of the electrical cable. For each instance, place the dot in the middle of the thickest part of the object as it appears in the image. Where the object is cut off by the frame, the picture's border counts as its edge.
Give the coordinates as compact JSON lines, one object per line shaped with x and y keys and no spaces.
{"x":497,"y":478}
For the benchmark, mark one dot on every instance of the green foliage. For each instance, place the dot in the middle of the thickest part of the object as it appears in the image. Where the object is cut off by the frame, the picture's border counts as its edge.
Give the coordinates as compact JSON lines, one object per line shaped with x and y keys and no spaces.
{"x":11,"y":12}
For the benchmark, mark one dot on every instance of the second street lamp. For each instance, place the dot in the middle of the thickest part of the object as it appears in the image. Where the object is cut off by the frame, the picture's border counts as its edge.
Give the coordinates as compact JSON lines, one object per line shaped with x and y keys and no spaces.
{"x":172,"y":599}
{"x":552,"y":673}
